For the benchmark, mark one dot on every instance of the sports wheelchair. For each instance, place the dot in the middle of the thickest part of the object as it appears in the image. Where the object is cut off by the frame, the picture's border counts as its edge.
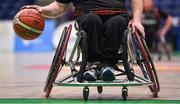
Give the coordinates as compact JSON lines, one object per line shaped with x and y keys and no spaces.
{"x":133,"y":52}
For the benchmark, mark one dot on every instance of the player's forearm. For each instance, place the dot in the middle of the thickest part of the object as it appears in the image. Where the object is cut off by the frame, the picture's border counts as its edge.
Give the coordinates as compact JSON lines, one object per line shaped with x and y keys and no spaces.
{"x":167,"y":24}
{"x":137,"y":8}
{"x":53,"y":10}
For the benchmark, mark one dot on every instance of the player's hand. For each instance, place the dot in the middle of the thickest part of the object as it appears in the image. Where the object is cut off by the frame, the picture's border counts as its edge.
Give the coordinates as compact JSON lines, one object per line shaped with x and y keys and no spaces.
{"x":39,"y":8}
{"x":136,"y":25}
{"x":161,"y":34}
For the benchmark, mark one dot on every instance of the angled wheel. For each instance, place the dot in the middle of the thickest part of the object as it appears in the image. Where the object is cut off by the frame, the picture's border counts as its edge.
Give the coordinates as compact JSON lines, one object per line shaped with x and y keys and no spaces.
{"x":151,"y":62}
{"x":58,"y":60}
{"x":145,"y":63}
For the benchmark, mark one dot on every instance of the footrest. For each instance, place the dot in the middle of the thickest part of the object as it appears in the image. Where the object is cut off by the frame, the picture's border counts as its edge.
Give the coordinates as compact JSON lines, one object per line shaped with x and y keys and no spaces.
{"x":103,"y":83}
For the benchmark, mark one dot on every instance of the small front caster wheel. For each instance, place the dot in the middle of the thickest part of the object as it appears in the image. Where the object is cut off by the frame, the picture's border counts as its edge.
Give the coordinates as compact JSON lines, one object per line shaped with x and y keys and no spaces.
{"x":99,"y":89}
{"x":124,"y":93}
{"x":86,"y":93}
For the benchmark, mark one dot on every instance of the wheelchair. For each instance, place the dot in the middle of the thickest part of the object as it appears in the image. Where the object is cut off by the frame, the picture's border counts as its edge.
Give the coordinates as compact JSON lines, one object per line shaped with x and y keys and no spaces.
{"x":133,"y":52}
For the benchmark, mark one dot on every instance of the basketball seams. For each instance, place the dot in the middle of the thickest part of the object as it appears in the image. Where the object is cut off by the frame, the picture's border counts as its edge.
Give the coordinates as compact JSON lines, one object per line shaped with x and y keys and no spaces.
{"x":30,"y":37}
{"x":28,"y":24}
{"x":17,"y":20}
{"x":41,"y":19}
{"x":34,"y":18}
{"x":23,"y":14}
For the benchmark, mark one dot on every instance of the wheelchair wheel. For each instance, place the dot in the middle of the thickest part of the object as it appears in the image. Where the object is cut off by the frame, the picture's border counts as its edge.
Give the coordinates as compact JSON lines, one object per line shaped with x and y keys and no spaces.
{"x":145,"y":62}
{"x":152,"y":64}
{"x":58,"y":60}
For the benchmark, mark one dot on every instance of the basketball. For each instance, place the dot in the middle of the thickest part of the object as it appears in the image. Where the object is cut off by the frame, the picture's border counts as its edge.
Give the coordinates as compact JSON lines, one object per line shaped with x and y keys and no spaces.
{"x":28,"y":24}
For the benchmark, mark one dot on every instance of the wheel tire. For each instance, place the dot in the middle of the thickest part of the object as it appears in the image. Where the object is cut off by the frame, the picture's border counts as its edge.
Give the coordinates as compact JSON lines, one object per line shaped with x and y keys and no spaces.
{"x":152,"y":64}
{"x":147,"y":63}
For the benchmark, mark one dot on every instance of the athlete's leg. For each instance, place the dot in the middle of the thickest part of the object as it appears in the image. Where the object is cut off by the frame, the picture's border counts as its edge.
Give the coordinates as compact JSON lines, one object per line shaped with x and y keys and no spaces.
{"x":114,"y":29}
{"x":93,"y":26}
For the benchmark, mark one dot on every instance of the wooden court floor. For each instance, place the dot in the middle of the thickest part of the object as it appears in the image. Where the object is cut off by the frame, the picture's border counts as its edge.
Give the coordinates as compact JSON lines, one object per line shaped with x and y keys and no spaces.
{"x":22,"y":75}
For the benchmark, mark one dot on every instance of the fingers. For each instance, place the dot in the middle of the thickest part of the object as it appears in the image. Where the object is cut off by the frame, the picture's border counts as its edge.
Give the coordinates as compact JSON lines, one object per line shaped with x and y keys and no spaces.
{"x":27,"y":7}
{"x":136,"y":26}
{"x":24,"y":7}
{"x":131,"y":26}
{"x":162,"y":39}
{"x":141,"y":30}
{"x":30,"y":7}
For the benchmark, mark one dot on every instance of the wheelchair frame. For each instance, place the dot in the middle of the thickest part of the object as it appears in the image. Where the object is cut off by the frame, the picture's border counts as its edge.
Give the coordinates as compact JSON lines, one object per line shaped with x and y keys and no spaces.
{"x":137,"y":54}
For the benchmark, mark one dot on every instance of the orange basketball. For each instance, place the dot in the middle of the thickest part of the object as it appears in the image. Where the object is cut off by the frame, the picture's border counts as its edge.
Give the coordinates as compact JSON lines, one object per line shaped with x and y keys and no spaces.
{"x":28,"y":24}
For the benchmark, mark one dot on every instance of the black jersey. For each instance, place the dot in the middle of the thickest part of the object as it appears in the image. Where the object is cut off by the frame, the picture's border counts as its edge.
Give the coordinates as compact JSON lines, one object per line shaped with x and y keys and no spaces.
{"x":151,"y":20}
{"x":96,"y":4}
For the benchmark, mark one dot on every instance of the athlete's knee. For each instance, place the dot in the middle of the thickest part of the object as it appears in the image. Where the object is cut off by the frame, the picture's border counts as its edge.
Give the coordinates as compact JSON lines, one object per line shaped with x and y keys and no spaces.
{"x":118,"y":21}
{"x":92,"y":18}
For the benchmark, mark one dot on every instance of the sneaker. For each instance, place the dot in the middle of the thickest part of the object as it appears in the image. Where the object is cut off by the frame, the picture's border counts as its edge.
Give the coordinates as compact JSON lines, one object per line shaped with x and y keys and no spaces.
{"x":90,"y":75}
{"x":107,"y":74}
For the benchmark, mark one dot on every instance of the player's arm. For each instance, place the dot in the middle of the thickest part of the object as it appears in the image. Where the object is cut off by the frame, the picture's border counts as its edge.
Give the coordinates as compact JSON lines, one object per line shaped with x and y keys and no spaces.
{"x":167,"y":23}
{"x":52,"y":10}
{"x":137,"y":8}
